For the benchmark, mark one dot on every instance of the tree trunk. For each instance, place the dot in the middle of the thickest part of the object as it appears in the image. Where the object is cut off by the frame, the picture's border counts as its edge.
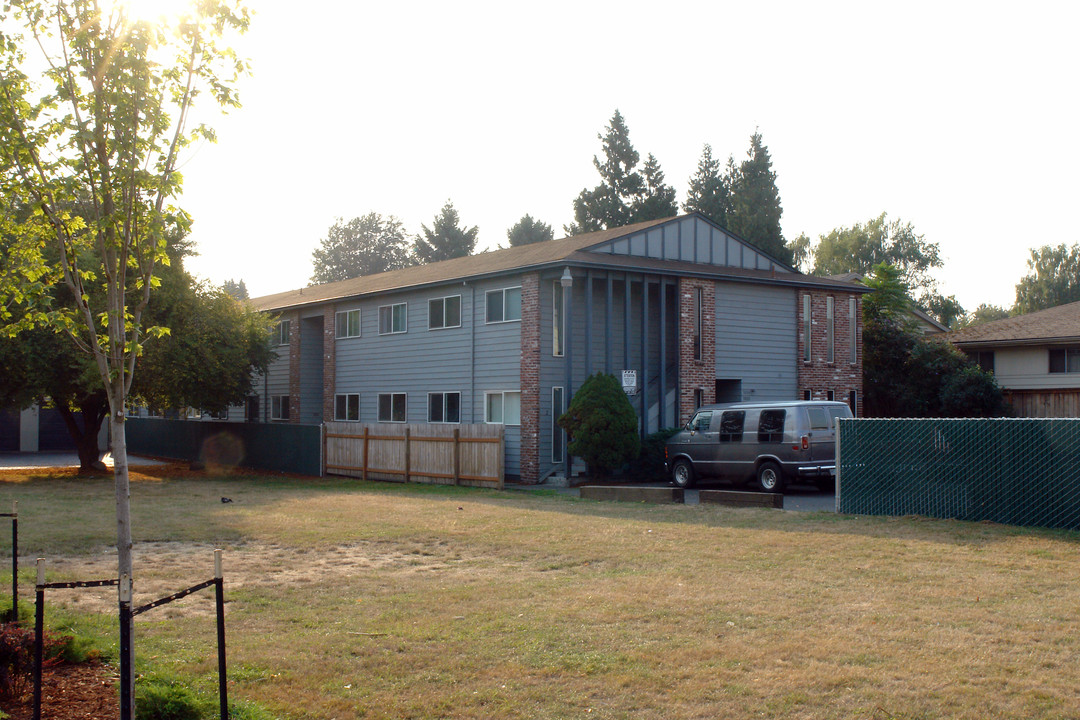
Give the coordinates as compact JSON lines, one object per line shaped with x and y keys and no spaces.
{"x":123,"y":541}
{"x":86,"y":438}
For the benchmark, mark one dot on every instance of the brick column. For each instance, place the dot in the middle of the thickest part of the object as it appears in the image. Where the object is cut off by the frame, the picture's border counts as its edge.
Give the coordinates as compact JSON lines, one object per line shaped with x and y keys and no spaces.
{"x":329,"y":368}
{"x":530,"y":378}
{"x":294,"y":367}
{"x":842,"y":375}
{"x":696,"y":374}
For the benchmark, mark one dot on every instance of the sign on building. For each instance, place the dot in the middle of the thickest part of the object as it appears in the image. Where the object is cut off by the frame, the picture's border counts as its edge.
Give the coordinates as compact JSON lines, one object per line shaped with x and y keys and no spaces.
{"x":629,"y":382}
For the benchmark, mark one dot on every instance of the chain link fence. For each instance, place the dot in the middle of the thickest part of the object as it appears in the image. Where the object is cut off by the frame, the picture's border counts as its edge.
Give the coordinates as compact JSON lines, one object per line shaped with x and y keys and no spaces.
{"x":1012,"y":471}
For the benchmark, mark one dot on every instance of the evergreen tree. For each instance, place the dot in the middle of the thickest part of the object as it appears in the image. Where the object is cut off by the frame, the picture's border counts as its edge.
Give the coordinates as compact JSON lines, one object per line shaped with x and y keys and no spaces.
{"x":236,"y":288}
{"x":527,"y":231}
{"x":658,"y":199}
{"x":610,"y":204}
{"x":362,"y":246}
{"x":602,"y":425}
{"x":755,"y":202}
{"x":444,"y":240}
{"x":708,"y":193}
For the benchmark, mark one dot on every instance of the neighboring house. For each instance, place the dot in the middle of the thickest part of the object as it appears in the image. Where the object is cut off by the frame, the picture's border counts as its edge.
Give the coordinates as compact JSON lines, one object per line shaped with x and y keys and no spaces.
{"x":681,"y":310}
{"x":1035,"y":358}
{"x":926,"y":324}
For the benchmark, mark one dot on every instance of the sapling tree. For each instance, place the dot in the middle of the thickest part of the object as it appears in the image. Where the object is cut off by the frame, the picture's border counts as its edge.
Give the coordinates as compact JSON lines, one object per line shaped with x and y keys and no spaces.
{"x":94,"y":110}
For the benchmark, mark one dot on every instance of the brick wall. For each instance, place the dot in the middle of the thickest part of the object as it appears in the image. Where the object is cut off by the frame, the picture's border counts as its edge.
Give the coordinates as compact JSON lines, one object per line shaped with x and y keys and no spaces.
{"x":530,"y":378}
{"x":294,"y":366}
{"x":696,"y":374}
{"x":329,"y":329}
{"x":843,"y":375}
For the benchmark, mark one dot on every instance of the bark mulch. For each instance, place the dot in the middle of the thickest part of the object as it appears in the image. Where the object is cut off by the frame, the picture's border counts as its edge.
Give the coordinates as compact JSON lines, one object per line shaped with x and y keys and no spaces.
{"x":86,"y":691}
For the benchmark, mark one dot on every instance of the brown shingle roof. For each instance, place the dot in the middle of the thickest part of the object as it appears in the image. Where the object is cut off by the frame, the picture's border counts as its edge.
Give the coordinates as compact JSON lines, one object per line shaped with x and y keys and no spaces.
{"x":538,"y":254}
{"x":1054,"y":325}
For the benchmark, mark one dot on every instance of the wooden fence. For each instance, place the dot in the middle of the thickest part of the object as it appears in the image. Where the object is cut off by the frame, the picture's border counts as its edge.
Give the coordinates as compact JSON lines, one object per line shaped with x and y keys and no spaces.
{"x":440,"y":454}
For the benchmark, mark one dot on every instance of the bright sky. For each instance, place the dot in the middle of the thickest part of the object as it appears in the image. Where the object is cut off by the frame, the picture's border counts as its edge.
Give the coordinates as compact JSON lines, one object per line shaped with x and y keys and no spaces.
{"x":961,"y":118}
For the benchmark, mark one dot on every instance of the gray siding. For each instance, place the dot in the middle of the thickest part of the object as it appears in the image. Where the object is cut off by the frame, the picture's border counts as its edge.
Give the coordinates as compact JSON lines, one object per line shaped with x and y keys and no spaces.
{"x":692,"y":239}
{"x":276,"y":382}
{"x":756,"y":339}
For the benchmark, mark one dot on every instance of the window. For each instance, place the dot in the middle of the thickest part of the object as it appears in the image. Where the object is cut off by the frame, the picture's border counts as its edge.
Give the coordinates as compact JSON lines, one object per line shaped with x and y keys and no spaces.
{"x":853,"y":321}
{"x":279,"y":407}
{"x":504,"y":305}
{"x":731,"y":425}
{"x":830,"y":395}
{"x":251,"y":412}
{"x":985,"y":359}
{"x":347,"y":407}
{"x":698,"y":322}
{"x":771,"y":426}
{"x":699,"y":397}
{"x":558,"y":435}
{"x":806,"y":328}
{"x":558,"y":320}
{"x":853,"y":403}
{"x":503,"y":407}
{"x":281,"y":332}
{"x":444,"y":407}
{"x":347,"y":323}
{"x":392,"y":319}
{"x":1065,"y":360}
{"x":392,"y":407}
{"x":701,"y":421}
{"x":219,"y":415}
{"x":806,"y":395}
{"x":830,"y":327}
{"x":444,"y":312}
{"x":819,"y":419}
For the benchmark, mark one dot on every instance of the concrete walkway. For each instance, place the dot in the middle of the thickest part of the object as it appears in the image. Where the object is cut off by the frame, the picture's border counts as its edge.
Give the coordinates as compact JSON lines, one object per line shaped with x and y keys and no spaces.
{"x":798,"y":498}
{"x":29,"y":461}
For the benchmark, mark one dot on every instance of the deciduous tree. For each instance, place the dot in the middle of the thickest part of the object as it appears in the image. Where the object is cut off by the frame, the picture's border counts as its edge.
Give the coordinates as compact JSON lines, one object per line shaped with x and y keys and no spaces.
{"x":102,"y":127}
{"x":445,"y":239}
{"x":527,"y":231}
{"x":362,"y":246}
{"x":1053,"y":279}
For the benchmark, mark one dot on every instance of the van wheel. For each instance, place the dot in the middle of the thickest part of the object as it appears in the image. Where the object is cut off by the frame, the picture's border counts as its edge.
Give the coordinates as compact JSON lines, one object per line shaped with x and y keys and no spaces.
{"x":683,"y":474}
{"x":769,"y":477}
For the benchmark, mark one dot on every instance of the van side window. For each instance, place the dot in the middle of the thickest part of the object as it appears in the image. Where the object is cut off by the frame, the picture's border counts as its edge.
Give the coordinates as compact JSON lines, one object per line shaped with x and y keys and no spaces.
{"x":771,"y":426}
{"x":838,"y":412}
{"x":731,"y":425}
{"x":819,"y":419}
{"x":701,"y":421}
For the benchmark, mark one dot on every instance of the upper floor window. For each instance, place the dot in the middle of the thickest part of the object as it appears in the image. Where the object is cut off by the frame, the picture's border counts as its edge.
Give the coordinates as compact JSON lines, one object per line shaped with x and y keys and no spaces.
{"x":392,"y":319}
{"x":807,"y":324}
{"x":444,"y":312}
{"x":698,"y":321}
{"x":985,"y":359}
{"x":558,"y":321}
{"x":1065,"y":360}
{"x":281,"y":332}
{"x":347,"y":323}
{"x":853,"y":320}
{"x":830,"y":327}
{"x":504,"y":305}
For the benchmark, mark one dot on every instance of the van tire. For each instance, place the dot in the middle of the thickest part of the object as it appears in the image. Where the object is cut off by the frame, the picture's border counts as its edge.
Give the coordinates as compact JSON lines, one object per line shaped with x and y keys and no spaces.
{"x":682,"y":474}
{"x":769,"y":477}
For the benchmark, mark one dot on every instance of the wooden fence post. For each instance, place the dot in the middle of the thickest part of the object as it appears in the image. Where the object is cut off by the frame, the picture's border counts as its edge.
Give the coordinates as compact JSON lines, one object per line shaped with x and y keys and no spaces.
{"x":407,"y":450}
{"x":500,"y":459}
{"x":457,"y":456}
{"x":365,"y":465}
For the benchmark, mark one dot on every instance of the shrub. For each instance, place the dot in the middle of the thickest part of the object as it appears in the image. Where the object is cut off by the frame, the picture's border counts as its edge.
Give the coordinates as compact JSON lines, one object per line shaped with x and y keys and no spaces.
{"x":16,"y":661}
{"x":601,"y":424}
{"x":165,"y":700}
{"x":650,"y":462}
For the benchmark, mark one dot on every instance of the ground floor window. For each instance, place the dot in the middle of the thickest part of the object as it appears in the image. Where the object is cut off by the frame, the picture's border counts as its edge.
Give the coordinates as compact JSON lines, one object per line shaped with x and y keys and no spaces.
{"x":392,"y":407}
{"x":503,"y":407}
{"x":347,"y":407}
{"x":830,"y":395}
{"x":251,"y":412}
{"x":279,"y":407}
{"x":558,"y":435}
{"x":444,"y":407}
{"x":853,"y":403}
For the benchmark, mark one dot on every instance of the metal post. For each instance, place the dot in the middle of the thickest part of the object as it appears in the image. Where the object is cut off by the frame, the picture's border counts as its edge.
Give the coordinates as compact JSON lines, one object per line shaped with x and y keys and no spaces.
{"x":14,"y":561}
{"x":39,"y":634}
{"x":219,"y":591}
{"x":127,"y":699}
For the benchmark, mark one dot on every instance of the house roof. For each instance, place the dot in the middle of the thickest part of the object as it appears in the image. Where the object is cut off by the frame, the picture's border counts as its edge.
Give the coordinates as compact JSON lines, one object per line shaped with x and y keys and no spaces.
{"x":1056,"y":325}
{"x":564,"y":251}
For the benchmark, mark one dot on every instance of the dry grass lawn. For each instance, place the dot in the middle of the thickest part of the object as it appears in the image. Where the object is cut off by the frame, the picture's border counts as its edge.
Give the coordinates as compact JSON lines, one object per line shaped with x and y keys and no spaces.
{"x":354,"y":600}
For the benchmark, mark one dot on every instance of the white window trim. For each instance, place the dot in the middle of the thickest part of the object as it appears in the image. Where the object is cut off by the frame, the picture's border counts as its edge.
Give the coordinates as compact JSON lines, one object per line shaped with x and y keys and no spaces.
{"x":392,"y":331}
{"x":444,"y":326}
{"x":359,"y":318}
{"x":286,"y":327}
{"x":502,"y":393}
{"x":278,"y":416}
{"x":444,"y":393}
{"x":558,"y":325}
{"x":378,"y":404}
{"x":487,"y":299}
{"x":346,"y":396}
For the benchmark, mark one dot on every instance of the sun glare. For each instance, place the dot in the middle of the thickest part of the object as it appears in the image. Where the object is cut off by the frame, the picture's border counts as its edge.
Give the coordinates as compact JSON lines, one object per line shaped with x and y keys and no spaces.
{"x":154,"y":11}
